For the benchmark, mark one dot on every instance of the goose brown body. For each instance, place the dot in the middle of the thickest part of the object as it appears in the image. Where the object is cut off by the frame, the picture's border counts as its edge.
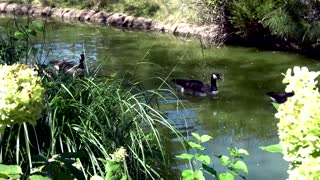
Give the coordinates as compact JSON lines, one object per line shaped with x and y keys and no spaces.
{"x":70,"y":67}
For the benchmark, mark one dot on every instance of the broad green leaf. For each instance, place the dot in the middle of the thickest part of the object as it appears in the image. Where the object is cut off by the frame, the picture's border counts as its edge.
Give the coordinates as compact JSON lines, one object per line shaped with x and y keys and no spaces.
{"x":38,"y":26}
{"x":274,"y":148}
{"x":203,"y":158}
{"x":188,"y":174}
{"x":226,"y":176}
{"x":124,"y":177}
{"x":205,"y":138}
{"x":18,"y":35}
{"x":209,"y":170}
{"x":198,"y":175}
{"x":240,"y":165}
{"x":32,"y":32}
{"x":10,"y":169}
{"x":112,"y":166}
{"x":38,"y":177}
{"x":224,"y":160}
{"x":197,"y":136}
{"x":275,"y":105}
{"x":243,"y":151}
{"x":196,"y":146}
{"x":185,"y":156}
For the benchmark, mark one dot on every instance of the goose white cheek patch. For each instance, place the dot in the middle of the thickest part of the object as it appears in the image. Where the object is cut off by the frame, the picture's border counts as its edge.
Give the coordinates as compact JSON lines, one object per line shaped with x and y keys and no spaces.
{"x":214,"y":76}
{"x":57,"y":67}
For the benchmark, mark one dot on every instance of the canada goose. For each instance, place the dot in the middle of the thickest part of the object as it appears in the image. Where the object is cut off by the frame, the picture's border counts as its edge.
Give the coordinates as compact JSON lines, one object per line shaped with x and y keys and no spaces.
{"x":70,"y":67}
{"x":198,"y":88}
{"x":280,"y":97}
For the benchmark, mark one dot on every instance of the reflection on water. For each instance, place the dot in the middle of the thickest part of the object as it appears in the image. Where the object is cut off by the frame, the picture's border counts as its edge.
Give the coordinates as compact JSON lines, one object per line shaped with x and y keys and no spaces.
{"x":240,"y":115}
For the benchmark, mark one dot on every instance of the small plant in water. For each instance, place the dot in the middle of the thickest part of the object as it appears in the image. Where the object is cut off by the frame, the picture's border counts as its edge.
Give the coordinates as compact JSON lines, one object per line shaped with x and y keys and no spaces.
{"x":232,"y":164}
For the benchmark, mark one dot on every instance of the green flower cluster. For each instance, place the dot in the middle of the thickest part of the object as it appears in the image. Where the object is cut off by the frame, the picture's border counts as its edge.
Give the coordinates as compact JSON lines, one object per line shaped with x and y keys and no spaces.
{"x":21,"y":95}
{"x":299,"y":125}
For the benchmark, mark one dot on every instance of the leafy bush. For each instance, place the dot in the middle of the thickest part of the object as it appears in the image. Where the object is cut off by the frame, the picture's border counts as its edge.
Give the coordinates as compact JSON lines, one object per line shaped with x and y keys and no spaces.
{"x":209,"y":11}
{"x":140,"y":8}
{"x":18,"y":44}
{"x":246,"y":16}
{"x":293,"y":20}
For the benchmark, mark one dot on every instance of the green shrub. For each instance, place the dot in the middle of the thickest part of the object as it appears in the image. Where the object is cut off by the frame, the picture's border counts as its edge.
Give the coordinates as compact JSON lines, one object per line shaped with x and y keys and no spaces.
{"x":17,"y":45}
{"x":138,"y":8}
{"x":209,"y":11}
{"x":246,"y":16}
{"x":289,"y":20}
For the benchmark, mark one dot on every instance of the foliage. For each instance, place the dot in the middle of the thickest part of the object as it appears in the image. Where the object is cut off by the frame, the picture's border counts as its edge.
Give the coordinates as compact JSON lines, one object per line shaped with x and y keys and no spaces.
{"x":59,"y":166}
{"x":274,"y":148}
{"x":21,"y":95}
{"x":299,"y":125}
{"x":114,"y":166}
{"x":62,"y":166}
{"x":294,"y":20}
{"x":10,"y":171}
{"x":232,"y":164}
{"x":209,"y":11}
{"x":246,"y":16}
{"x":145,"y":8}
{"x":17,"y":44}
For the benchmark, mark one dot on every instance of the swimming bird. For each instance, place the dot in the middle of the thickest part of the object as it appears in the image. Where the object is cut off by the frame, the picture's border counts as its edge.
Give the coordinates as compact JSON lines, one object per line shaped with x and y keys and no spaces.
{"x":199,"y":88}
{"x":280,"y":97}
{"x":70,"y":67}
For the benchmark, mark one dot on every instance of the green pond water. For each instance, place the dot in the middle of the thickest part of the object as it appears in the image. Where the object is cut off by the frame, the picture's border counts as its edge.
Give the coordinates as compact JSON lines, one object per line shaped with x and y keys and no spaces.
{"x":240,"y":115}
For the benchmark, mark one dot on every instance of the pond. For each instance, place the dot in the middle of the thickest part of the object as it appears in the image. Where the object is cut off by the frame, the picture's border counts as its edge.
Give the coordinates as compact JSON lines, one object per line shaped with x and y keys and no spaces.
{"x":240,"y":115}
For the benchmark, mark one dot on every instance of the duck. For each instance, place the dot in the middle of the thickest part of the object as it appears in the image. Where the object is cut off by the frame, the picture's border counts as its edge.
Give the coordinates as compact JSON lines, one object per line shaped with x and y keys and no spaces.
{"x":280,"y":97}
{"x":198,"y":88}
{"x":70,"y":67}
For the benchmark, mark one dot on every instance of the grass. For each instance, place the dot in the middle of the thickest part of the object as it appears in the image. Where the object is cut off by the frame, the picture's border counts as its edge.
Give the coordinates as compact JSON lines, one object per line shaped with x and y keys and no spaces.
{"x":164,"y":10}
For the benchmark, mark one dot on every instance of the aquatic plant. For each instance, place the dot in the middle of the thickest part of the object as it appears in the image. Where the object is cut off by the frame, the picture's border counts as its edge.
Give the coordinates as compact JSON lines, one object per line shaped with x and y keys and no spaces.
{"x":232,"y":163}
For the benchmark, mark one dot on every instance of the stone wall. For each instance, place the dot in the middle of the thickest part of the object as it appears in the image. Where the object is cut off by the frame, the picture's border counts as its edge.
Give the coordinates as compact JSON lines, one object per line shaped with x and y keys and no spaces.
{"x":211,"y":33}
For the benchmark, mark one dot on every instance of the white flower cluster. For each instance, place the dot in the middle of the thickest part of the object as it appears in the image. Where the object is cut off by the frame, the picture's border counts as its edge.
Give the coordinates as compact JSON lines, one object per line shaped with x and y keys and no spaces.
{"x":119,"y":155}
{"x":299,"y":125}
{"x":21,"y":95}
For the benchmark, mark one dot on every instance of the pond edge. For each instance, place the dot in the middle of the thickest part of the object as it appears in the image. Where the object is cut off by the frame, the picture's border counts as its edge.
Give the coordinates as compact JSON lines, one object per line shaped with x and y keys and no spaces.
{"x":212,"y":33}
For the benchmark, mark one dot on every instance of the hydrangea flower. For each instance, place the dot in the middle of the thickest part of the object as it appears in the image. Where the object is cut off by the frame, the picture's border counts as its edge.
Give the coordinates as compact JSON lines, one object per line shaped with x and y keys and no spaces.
{"x":299,"y":124}
{"x":21,"y":95}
